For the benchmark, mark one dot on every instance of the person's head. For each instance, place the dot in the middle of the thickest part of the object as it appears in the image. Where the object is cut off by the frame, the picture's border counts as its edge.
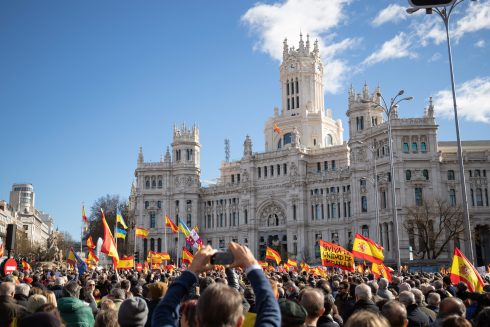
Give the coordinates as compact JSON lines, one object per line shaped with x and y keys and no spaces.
{"x":188,"y":311}
{"x":433,"y":299}
{"x":7,"y":289}
{"x":220,"y":305}
{"x":452,"y":306}
{"x":125,"y":285}
{"x":204,"y":283}
{"x":343,"y":287}
{"x":292,"y":314}
{"x":438,"y":284}
{"x":137,"y":290}
{"x":363,"y":292}
{"x":22,"y":289}
{"x":133,"y":312}
{"x":483,"y":318}
{"x":419,"y":297}
{"x":35,"y":301}
{"x":106,"y":318}
{"x":404,"y":287}
{"x":118,"y":294}
{"x":396,"y":313}
{"x":383,"y":284}
{"x":365,"y":318}
{"x":108,"y":304}
{"x":71,"y":289}
{"x":406,"y":298}
{"x":446,"y":281}
{"x":90,"y":285}
{"x":59,"y":281}
{"x":157,"y":290}
{"x":455,"y":321}
{"x":312,"y":301}
{"x":374,"y":287}
{"x":41,"y":319}
{"x":50,"y":297}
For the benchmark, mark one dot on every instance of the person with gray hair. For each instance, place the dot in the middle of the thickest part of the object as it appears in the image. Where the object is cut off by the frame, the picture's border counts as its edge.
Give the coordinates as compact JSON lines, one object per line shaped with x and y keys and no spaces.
{"x":449,"y":306}
{"x":396,"y":313}
{"x":21,"y":294}
{"x":9,"y":309}
{"x":117,"y":295}
{"x":404,"y":287}
{"x":416,"y":318}
{"x":383,"y":291}
{"x":364,"y":299}
{"x":420,"y":300}
{"x":433,"y":302}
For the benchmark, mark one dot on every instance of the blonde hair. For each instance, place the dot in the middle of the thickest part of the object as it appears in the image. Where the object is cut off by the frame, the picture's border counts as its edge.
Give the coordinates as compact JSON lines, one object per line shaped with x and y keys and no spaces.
{"x":35,"y":302}
{"x":50,"y":297}
{"x":366,"y":318}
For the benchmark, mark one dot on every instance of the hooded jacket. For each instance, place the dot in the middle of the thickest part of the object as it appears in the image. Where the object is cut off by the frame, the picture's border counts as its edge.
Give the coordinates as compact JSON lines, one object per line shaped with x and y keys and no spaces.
{"x":75,"y":313}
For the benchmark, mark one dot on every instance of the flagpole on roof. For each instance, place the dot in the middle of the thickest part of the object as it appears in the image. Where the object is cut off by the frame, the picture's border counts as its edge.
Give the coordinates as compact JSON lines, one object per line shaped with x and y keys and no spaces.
{"x":81,"y":231}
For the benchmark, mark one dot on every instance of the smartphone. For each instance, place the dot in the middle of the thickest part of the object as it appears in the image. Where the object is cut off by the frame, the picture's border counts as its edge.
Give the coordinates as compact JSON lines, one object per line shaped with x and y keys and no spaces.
{"x":222,"y":258}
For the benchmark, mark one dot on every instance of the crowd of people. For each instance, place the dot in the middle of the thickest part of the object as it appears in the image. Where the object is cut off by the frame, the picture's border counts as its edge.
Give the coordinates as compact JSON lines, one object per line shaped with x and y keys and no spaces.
{"x":240,"y":295}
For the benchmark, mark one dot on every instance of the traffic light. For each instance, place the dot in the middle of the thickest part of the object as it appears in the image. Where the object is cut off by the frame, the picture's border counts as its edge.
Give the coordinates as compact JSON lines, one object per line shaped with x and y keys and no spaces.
{"x":136,"y":257}
{"x":430,"y":3}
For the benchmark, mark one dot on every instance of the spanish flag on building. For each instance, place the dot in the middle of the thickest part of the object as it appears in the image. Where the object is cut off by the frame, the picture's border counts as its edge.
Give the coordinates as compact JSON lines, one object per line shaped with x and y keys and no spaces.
{"x":141,"y":232}
{"x":463,"y":271}
{"x":380,"y":270}
{"x":365,"y":248}
{"x":171,"y":224}
{"x":278,"y":130}
{"x":187,"y":257}
{"x":271,"y":254}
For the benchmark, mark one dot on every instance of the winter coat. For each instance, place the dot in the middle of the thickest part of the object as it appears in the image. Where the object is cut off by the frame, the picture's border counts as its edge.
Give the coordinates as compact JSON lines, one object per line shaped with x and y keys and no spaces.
{"x":365,"y":305}
{"x":75,"y":313}
{"x":9,"y":310}
{"x":416,"y":318}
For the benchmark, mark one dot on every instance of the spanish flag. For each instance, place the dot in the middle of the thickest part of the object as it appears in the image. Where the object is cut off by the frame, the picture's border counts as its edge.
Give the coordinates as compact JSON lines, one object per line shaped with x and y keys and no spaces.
{"x":171,"y":224}
{"x":108,"y":246}
{"x":277,"y":130}
{"x":365,"y":248}
{"x":125,"y":263}
{"x":263,"y":264}
{"x":186,"y":256}
{"x":91,"y":256}
{"x":119,"y":219}
{"x":379,"y":270}
{"x":26,"y":266}
{"x":292,"y":263}
{"x":304,"y":266}
{"x":157,"y":257}
{"x":84,"y":218}
{"x":141,"y":232}
{"x":271,"y":254}
{"x":71,"y":259}
{"x":90,"y":243}
{"x":463,"y":271}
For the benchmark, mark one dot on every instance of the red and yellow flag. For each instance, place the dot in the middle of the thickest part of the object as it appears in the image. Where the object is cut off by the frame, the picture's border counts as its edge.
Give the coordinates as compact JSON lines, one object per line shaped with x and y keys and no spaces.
{"x":84,"y":218}
{"x":271,"y":254}
{"x":380,"y":270}
{"x":334,"y":255}
{"x":263,"y":264}
{"x":292,"y":263}
{"x":125,"y":263}
{"x":171,"y":224}
{"x":304,"y":266}
{"x":71,"y":259}
{"x":108,"y":246}
{"x":26,"y":266}
{"x":91,"y":257}
{"x":367,"y":249}
{"x":277,"y":130}
{"x":90,"y":243}
{"x":463,"y":271}
{"x":186,"y":256}
{"x":141,"y":232}
{"x":157,"y":257}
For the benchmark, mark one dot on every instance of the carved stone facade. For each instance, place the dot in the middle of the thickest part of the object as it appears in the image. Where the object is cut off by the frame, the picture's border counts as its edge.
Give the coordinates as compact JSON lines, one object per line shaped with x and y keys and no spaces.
{"x":309,"y":184}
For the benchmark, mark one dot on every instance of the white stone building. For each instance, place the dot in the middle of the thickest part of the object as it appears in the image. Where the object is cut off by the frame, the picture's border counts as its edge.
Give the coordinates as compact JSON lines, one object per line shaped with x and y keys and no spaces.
{"x":310,"y":184}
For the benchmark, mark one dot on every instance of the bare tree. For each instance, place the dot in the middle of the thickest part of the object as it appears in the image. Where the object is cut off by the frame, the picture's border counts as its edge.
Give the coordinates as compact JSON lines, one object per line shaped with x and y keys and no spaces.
{"x":434,"y":224}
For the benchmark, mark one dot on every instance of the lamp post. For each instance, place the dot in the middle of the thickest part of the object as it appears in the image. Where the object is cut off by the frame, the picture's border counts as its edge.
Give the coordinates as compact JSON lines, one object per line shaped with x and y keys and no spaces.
{"x":445,"y":15}
{"x":388,"y":111}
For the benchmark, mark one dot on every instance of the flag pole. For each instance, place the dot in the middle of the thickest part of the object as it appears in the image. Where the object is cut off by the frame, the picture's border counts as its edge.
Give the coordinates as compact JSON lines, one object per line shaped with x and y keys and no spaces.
{"x":178,"y":246}
{"x":134,"y":249}
{"x":81,"y":232}
{"x":165,"y":232}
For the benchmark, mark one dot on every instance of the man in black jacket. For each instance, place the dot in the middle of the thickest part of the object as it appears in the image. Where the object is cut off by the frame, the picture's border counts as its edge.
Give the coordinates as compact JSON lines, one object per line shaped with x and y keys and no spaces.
{"x":9,"y":309}
{"x":364,"y":299}
{"x":415,"y":316}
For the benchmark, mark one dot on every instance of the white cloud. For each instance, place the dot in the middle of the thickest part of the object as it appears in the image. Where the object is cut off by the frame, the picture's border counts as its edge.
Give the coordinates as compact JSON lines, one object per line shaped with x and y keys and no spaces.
{"x":473,"y":98}
{"x":397,"y":47}
{"x":480,"y":44}
{"x":436,"y":56}
{"x":477,"y":18}
{"x":271,"y":23}
{"x":392,"y":13}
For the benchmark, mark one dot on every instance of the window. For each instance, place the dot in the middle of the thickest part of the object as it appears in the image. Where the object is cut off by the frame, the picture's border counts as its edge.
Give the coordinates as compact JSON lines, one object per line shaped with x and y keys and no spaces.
{"x":294,"y":212}
{"x":425,"y":173}
{"x":287,"y":138}
{"x":272,"y":170}
{"x":147,"y":184}
{"x":408,"y":175}
{"x":364,"y":204}
{"x":471,"y":173}
{"x":477,"y":172}
{"x":153,"y":184}
{"x":362,"y":182}
{"x":414,"y":147}
{"x":365,"y":230}
{"x":423,"y":147}
{"x":333,"y":165}
{"x":472,"y":197}
{"x":297,"y":101}
{"x":160,"y":184}
{"x":232,"y":179}
{"x":318,"y":167}
{"x":405,"y":147}
{"x":452,"y":197}
{"x":329,"y":139}
{"x":479,"y":197}
{"x":287,"y":88}
{"x":259,"y":172}
{"x":145,"y":247}
{"x":147,"y":204}
{"x":285,"y":169}
{"x":159,"y":245}
{"x":297,"y":86}
{"x":383,"y":199}
{"x":289,"y":104}
{"x":292,"y":103}
{"x":325,"y":165}
{"x":265,"y":171}
{"x":159,"y":204}
{"x":152,"y":244}
{"x":278,"y":170}
{"x":334,"y":210}
{"x":152,"y":220}
{"x":246,"y":216}
{"x":486,"y":197}
{"x":418,"y":196}
{"x":450,"y":175}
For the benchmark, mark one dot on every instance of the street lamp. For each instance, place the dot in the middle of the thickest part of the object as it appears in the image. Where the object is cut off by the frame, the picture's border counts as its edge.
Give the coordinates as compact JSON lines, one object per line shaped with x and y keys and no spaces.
{"x":388,"y":111}
{"x":445,"y":14}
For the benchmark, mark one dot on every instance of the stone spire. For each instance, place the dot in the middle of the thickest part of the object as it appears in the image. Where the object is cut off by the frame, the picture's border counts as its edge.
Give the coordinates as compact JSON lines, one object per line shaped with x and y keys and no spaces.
{"x":141,"y":159}
{"x":167,"y":155}
{"x":307,"y":43}
{"x":285,"y":49}
{"x":430,"y":110}
{"x":315,"y":48}
{"x":301,"y":43}
{"x":365,"y":91}
{"x":247,"y":147}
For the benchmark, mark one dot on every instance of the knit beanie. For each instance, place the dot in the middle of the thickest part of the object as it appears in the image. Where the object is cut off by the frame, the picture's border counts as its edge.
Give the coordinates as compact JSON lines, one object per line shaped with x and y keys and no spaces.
{"x":133,"y":312}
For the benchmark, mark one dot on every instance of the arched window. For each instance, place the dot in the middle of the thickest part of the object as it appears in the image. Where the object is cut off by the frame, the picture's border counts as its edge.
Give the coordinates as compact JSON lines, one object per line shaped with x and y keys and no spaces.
{"x":365,"y":230}
{"x":314,"y":142}
{"x":152,"y":244}
{"x":159,"y":245}
{"x":452,"y":197}
{"x":408,"y":175}
{"x":414,"y":147}
{"x":153,"y":184}
{"x":287,"y":88}
{"x":160,"y":183}
{"x":477,"y":172}
{"x":147,"y":184}
{"x":297,"y":86}
{"x":450,"y":175}
{"x":364,"y":204}
{"x":423,"y":147}
{"x":329,"y":139}
{"x":479,"y":197}
{"x":287,"y":138}
{"x":425,"y":172}
{"x":246,"y":216}
{"x":147,"y":204}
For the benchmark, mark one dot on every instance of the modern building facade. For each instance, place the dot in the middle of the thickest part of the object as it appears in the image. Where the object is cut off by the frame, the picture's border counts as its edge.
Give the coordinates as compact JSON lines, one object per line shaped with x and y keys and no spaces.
{"x":310,"y":184}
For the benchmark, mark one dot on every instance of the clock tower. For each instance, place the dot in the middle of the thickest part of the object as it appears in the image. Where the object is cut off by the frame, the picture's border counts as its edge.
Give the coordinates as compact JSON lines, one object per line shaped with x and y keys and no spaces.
{"x":303,"y":120}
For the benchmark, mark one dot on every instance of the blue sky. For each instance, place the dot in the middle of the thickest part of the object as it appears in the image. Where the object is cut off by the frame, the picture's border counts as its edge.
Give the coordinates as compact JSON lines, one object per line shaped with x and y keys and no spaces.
{"x":84,"y":83}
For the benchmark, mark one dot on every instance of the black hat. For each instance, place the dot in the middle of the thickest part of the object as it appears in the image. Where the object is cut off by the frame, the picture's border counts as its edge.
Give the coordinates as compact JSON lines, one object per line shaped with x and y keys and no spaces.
{"x":292,"y":313}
